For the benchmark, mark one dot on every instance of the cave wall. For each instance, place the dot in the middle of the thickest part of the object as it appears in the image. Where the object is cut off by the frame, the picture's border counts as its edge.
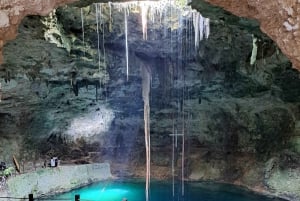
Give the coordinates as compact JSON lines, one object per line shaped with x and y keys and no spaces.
{"x":278,"y":19}
{"x":12,"y":13}
{"x":241,"y":120}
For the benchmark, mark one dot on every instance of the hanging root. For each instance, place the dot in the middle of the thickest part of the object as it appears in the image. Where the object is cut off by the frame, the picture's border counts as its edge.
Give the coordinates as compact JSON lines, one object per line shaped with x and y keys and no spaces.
{"x":146,"y":91}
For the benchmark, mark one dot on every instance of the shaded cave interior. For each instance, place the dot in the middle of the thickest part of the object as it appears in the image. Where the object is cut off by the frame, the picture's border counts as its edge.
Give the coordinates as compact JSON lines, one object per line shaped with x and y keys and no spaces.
{"x":60,"y":99}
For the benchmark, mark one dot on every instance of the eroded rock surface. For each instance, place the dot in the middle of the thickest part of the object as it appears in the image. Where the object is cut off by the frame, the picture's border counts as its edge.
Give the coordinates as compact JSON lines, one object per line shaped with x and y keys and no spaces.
{"x":241,"y":121}
{"x":278,"y":19}
{"x":12,"y":13}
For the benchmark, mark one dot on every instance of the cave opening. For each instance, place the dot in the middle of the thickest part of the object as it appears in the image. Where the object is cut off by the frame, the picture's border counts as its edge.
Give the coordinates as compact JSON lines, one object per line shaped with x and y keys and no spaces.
{"x":224,"y":100}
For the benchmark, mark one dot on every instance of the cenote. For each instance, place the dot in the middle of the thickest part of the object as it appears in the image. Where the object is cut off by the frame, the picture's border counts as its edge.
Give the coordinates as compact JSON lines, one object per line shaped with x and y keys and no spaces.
{"x":161,"y":191}
{"x":150,"y":90}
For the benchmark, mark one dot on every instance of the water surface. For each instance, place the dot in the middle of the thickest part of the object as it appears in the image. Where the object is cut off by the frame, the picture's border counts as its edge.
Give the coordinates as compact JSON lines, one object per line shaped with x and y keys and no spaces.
{"x":161,"y":191}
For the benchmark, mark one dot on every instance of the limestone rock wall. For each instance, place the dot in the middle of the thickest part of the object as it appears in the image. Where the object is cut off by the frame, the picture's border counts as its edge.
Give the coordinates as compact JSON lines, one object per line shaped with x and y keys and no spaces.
{"x":279,"y":19}
{"x":238,"y":116}
{"x":13,"y":11}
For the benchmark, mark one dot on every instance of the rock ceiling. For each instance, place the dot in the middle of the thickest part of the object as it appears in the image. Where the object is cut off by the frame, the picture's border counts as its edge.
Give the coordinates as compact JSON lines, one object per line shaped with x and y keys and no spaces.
{"x":232,"y":109}
{"x":279,"y":19}
{"x":13,"y":11}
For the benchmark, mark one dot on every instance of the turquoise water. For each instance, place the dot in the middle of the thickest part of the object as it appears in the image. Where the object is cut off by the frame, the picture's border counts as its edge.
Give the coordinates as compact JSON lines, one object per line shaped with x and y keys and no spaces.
{"x":161,"y":191}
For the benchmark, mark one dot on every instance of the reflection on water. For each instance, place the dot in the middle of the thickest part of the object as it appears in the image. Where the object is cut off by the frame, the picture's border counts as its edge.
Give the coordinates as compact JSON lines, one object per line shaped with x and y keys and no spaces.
{"x":161,"y":191}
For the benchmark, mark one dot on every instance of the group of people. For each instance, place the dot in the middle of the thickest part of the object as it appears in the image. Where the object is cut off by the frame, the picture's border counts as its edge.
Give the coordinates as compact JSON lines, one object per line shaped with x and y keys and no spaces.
{"x":53,"y":162}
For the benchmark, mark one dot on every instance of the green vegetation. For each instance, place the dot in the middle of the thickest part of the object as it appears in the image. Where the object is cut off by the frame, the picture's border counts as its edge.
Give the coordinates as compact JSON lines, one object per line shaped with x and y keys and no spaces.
{"x":7,"y":172}
{"x":181,"y":3}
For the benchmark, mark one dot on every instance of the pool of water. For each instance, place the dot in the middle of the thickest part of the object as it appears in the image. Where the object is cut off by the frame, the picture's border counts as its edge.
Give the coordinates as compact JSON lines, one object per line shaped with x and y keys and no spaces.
{"x":161,"y":191}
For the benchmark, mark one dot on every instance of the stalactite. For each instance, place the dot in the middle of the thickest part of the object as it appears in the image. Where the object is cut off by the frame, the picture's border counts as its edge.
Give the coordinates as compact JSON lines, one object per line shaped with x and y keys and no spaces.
{"x":126,"y":42}
{"x":206,"y":28}
{"x":146,"y":76}
{"x":110,"y":17}
{"x":98,"y":35}
{"x":254,"y":50}
{"x":196,"y":27}
{"x":82,"y":27}
{"x":144,"y":13}
{"x":201,"y":27}
{"x":102,"y":23}
{"x":155,"y":11}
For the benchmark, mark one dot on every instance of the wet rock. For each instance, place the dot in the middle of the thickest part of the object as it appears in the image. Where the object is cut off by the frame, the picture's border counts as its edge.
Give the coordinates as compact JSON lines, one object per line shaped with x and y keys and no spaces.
{"x":274,"y":127}
{"x":289,"y":83}
{"x":235,"y":116}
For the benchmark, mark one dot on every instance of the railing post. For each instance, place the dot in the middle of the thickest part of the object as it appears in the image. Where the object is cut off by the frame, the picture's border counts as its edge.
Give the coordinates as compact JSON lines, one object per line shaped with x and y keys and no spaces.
{"x":30,"y":197}
{"x":77,"y":197}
